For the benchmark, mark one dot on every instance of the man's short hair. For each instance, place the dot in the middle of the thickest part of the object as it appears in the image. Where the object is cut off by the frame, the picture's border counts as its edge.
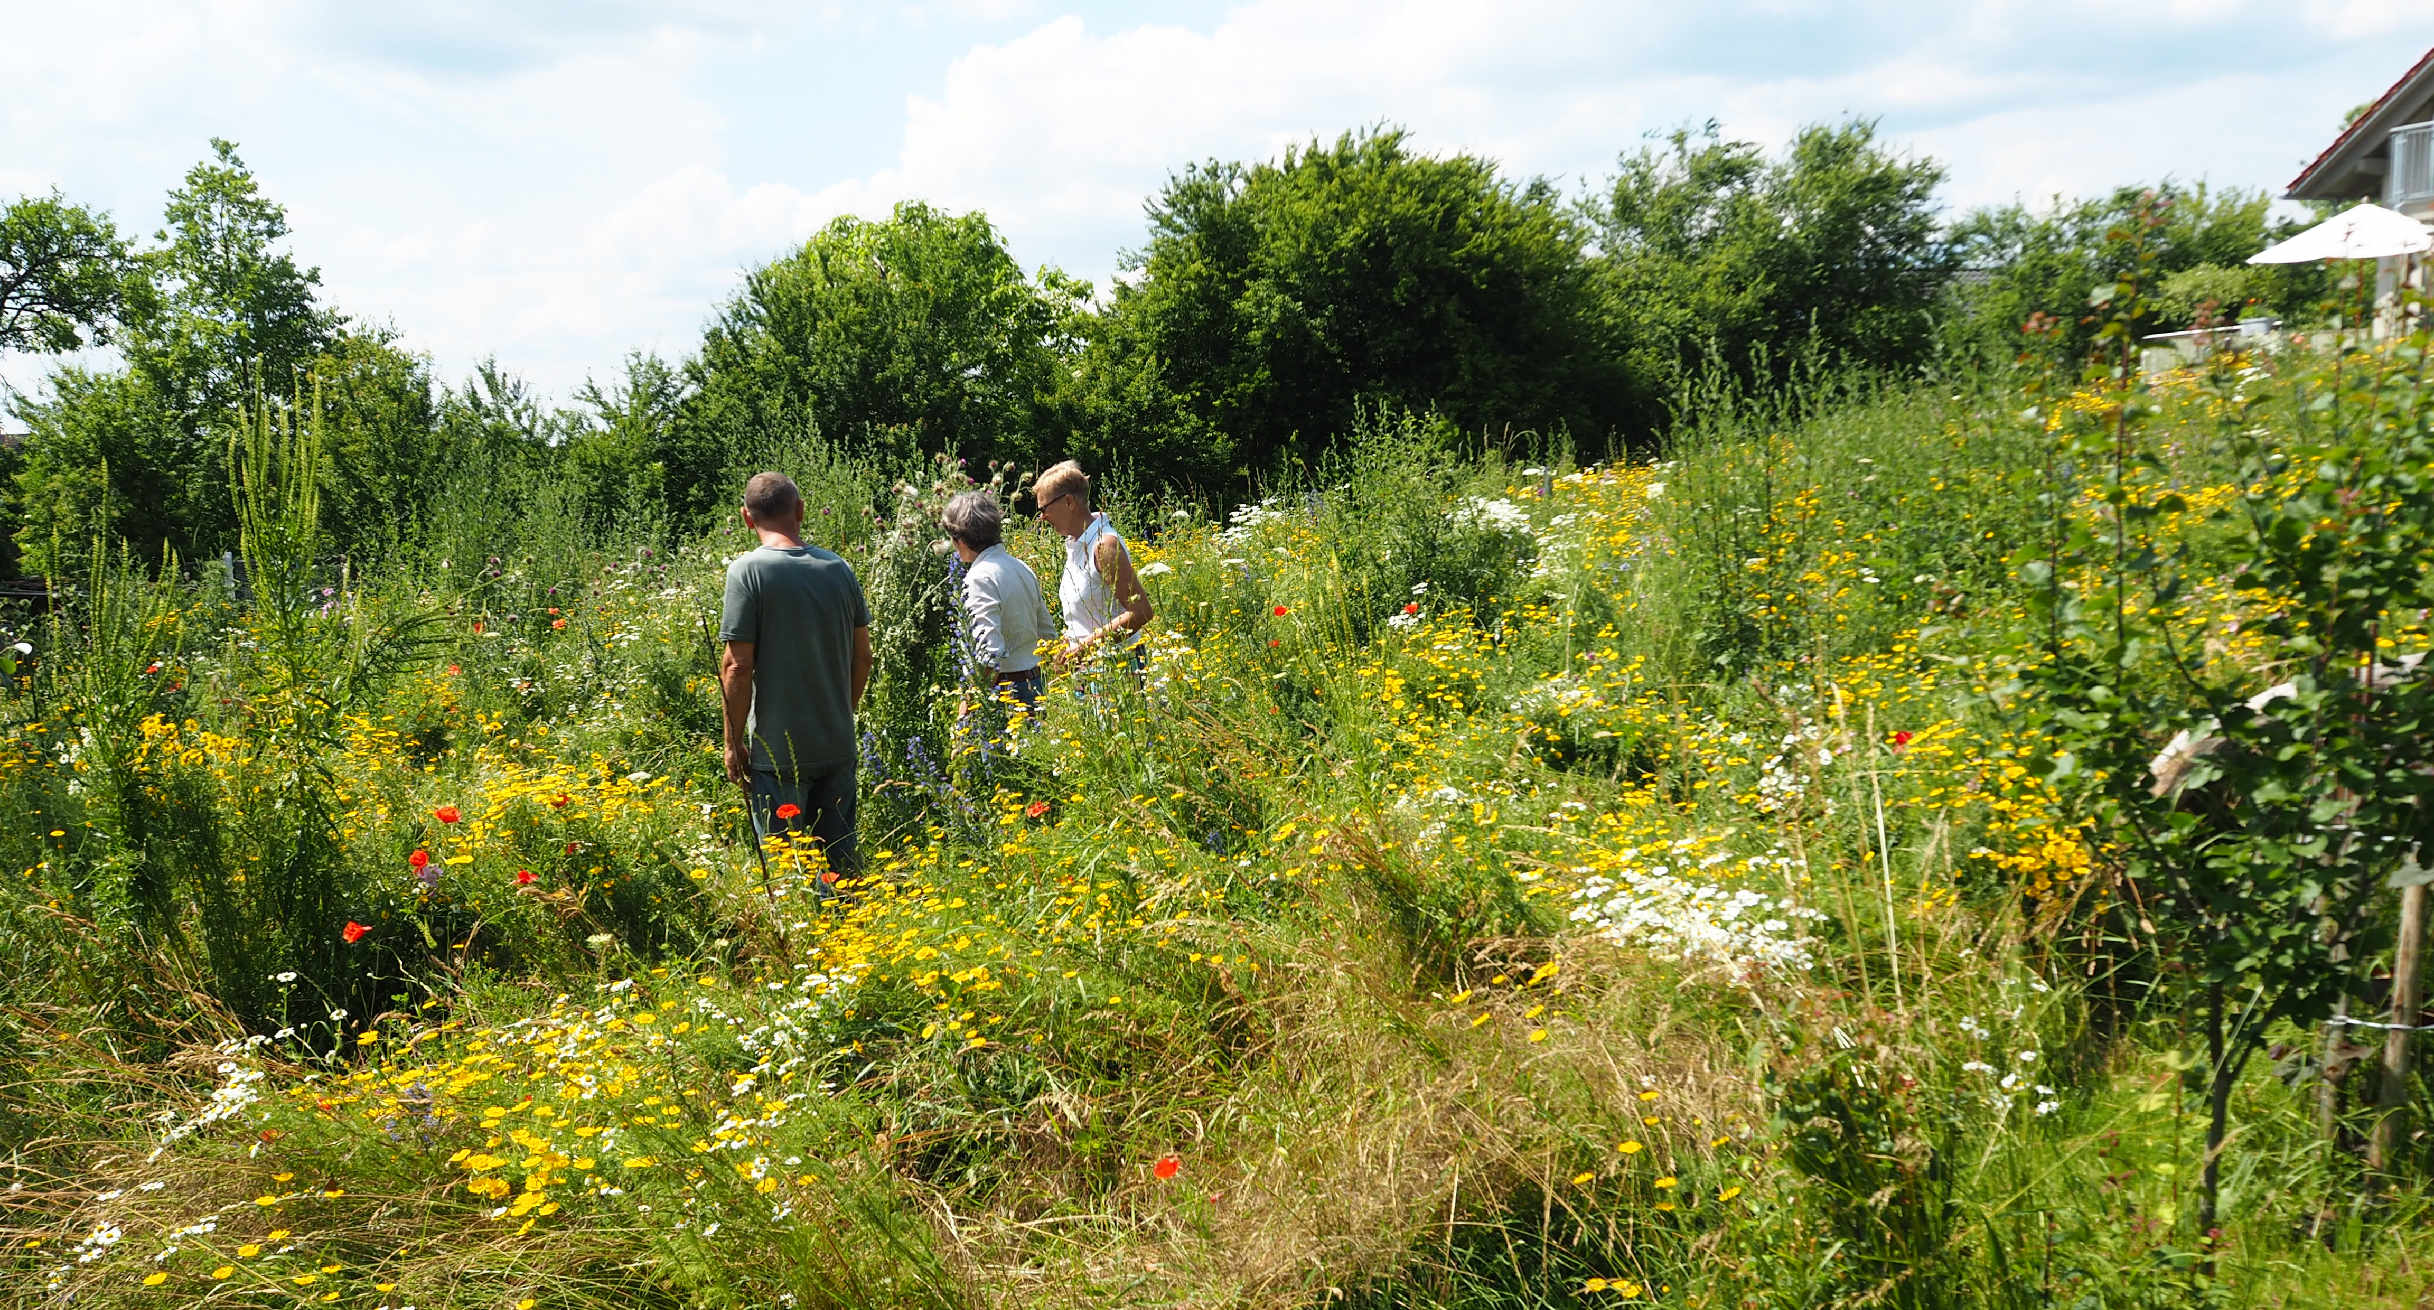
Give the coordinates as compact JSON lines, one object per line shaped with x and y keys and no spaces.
{"x":1066,"y":479}
{"x":771,"y":497}
{"x":975,"y":519}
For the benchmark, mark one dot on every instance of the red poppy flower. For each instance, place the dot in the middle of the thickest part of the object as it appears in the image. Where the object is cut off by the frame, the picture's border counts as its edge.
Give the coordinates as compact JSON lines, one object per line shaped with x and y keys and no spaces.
{"x":420,"y":860}
{"x":1901,"y":739}
{"x":558,"y":802}
{"x":524,"y":877}
{"x":570,"y":848}
{"x":1167,"y":1167}
{"x":1411,"y":607}
{"x":446,"y":814}
{"x":829,"y":876}
{"x":477,"y":627}
{"x":353,"y":932}
{"x":454,"y":670}
{"x":790,"y":810}
{"x":557,"y":623}
{"x":1035,"y":809}
{"x":1272,"y":641}
{"x":1280,"y":611}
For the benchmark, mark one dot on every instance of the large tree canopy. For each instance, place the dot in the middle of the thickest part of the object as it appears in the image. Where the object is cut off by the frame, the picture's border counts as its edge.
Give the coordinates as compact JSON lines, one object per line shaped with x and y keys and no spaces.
{"x":1275,"y":299}
{"x":63,"y":271}
{"x":1714,"y":255}
{"x":919,"y":328}
{"x":213,"y":307}
{"x":225,"y":299}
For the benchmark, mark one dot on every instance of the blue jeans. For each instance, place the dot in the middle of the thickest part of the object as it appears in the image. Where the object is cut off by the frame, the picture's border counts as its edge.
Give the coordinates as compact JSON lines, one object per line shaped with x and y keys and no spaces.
{"x":824,"y":805}
{"x":985,"y":723}
{"x":1024,"y":687}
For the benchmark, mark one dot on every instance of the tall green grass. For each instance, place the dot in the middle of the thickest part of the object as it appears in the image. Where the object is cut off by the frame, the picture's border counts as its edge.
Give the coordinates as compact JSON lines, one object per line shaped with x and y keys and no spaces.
{"x":1293,"y":910}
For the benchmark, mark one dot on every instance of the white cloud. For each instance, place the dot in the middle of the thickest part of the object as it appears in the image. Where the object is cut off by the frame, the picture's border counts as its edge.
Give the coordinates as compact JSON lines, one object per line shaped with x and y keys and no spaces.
{"x":2349,"y":20}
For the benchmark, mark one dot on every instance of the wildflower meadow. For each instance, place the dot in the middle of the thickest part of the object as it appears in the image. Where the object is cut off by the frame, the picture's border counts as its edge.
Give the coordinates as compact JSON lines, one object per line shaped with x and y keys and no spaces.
{"x":1728,"y":877}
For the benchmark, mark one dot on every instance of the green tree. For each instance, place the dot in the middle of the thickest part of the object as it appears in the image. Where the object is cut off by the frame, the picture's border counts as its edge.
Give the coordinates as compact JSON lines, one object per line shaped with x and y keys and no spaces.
{"x":2259,"y":852}
{"x":215,"y":310}
{"x":919,"y":324}
{"x":377,"y":422}
{"x":494,"y":413}
{"x":1275,"y":299}
{"x":2021,"y":262}
{"x":1712,"y":254}
{"x":619,"y":460}
{"x":63,"y":271}
{"x":227,"y":301}
{"x":100,"y":463}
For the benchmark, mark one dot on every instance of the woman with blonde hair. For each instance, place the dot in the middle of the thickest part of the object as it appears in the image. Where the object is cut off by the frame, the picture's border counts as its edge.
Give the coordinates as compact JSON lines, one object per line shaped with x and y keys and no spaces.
{"x":1105,"y":605}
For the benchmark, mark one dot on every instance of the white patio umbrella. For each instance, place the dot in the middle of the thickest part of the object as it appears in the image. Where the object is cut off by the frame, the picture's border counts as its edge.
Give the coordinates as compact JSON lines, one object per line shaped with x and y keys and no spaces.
{"x":2363,"y":232}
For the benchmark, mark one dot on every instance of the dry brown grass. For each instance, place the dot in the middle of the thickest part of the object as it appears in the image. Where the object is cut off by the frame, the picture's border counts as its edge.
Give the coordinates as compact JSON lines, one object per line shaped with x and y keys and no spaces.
{"x":1367,"y":1128}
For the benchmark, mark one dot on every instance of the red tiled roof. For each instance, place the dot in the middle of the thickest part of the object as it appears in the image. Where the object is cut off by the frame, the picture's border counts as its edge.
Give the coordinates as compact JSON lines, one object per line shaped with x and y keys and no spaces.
{"x":2360,"y":121}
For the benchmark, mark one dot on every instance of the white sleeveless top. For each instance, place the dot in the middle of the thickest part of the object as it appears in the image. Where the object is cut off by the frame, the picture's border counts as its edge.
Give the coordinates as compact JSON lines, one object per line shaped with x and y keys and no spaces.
{"x":1089,"y":603}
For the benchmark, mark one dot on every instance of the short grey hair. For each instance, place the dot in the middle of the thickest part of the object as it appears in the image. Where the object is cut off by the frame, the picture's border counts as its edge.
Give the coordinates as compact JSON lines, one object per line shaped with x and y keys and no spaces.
{"x":975,"y":519}
{"x":772,"y":497}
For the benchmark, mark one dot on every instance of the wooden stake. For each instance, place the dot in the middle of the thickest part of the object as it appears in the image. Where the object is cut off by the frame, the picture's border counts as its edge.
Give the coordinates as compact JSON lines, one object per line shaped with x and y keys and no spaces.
{"x":2392,"y":1089}
{"x":1884,"y":854}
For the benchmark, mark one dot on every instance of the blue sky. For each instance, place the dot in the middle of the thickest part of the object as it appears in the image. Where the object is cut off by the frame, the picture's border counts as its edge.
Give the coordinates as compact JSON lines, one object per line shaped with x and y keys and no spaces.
{"x":560,"y":183}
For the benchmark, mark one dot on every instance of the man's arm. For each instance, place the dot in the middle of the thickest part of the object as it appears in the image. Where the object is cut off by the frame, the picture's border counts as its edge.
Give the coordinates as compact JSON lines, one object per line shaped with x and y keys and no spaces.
{"x":862,"y":663}
{"x":735,"y":697}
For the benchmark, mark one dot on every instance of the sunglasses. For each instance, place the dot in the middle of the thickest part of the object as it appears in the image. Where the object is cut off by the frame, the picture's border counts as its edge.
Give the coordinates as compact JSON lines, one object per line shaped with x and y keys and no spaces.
{"x":1043,"y":505}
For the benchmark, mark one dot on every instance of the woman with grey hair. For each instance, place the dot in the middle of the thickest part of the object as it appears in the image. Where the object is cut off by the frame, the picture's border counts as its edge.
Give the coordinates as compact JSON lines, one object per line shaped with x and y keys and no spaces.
{"x":1001,"y":597}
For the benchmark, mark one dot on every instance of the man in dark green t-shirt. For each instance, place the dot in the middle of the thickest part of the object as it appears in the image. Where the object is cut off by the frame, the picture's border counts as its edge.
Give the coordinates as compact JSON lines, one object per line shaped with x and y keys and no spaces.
{"x":798,"y":659}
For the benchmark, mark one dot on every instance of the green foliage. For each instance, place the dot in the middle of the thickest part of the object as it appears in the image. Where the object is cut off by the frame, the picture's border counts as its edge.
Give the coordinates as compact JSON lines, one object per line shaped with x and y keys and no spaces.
{"x":1884,"y":1175}
{"x":313,"y":655}
{"x":141,"y":454}
{"x":619,"y":462}
{"x":151,"y":833}
{"x":63,"y":271}
{"x":2212,"y":293}
{"x":922,"y":764}
{"x":1713,"y":257}
{"x":223,"y":300}
{"x":1931,"y":496}
{"x":107,"y":456}
{"x":495,"y":494}
{"x":2024,"y":262}
{"x":1275,"y":298}
{"x":1405,"y":533}
{"x":2255,"y":846}
{"x":915,"y":332}
{"x":381,"y":478}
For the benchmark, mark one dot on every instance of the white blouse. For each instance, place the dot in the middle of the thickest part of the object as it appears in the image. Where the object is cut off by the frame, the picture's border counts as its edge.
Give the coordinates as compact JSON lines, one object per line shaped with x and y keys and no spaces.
{"x":1009,"y":616}
{"x":1090,"y":604}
